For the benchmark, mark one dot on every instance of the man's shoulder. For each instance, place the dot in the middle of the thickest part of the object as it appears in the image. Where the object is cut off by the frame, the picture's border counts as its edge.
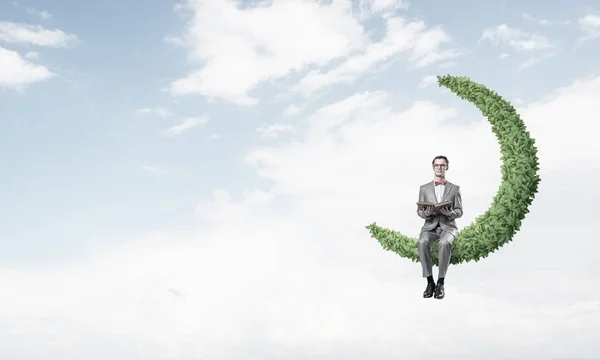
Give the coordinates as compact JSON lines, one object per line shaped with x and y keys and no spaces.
{"x":426,"y":184}
{"x":454,"y":187}
{"x":453,"y":184}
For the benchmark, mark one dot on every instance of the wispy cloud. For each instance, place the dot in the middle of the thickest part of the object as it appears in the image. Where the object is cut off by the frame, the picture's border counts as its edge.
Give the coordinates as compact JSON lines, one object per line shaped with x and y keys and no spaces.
{"x":153,"y":169}
{"x":515,"y":38}
{"x":162,"y":112}
{"x":221,"y":31}
{"x":293,"y":110}
{"x":186,"y":125}
{"x":503,"y":56}
{"x":447,"y":64}
{"x":32,"y":55}
{"x":428,"y":81}
{"x":16,"y":72}
{"x":535,"y":60}
{"x":545,"y":22}
{"x":421,"y":46}
{"x":275,"y":130}
{"x":12,"y":32}
{"x":384,"y":8}
{"x":42,"y":14}
{"x":590,"y":26}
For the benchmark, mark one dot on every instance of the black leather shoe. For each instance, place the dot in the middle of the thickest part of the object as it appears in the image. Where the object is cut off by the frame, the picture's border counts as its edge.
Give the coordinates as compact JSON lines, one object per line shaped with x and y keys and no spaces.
{"x":429,"y":290}
{"x":439,"y":291}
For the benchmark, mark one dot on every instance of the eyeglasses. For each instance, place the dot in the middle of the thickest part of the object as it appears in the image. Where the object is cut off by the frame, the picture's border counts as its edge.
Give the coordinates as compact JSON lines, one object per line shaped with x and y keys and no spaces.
{"x":439,"y":165}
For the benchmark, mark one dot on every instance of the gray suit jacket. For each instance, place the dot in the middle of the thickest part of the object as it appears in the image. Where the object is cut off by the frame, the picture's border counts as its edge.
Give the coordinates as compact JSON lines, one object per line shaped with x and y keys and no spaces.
{"x":447,"y":223}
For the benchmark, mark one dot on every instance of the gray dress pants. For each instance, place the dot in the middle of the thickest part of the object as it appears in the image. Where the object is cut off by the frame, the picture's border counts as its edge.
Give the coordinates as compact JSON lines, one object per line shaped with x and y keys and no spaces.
{"x":426,"y":239}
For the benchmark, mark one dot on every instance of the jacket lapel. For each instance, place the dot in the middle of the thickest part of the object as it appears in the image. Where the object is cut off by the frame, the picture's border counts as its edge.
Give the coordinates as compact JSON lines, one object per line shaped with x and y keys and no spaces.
{"x":431,"y":187}
{"x":447,"y":190}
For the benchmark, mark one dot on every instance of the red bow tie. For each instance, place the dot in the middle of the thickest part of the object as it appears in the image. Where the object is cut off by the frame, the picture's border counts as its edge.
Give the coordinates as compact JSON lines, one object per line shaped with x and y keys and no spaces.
{"x":440,"y":183}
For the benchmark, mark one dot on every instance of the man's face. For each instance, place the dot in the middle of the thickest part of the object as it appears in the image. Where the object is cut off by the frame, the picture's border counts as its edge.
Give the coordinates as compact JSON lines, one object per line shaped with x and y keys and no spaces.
{"x":440,"y":167}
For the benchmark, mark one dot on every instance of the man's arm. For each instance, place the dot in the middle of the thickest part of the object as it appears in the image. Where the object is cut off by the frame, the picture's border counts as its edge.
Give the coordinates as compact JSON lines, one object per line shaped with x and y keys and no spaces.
{"x":421,"y":209}
{"x":457,"y":210}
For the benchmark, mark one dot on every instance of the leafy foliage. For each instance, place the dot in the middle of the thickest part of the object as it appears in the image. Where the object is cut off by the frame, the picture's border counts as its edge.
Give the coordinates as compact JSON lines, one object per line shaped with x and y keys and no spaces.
{"x":520,"y":180}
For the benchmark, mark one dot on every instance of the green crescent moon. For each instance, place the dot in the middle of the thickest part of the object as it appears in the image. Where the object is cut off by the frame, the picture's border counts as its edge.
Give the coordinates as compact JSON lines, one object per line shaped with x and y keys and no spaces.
{"x":520,"y":181}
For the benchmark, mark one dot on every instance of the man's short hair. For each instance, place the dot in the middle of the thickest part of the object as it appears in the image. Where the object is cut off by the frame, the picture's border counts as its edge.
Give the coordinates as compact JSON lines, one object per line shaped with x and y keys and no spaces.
{"x":440,"y":157}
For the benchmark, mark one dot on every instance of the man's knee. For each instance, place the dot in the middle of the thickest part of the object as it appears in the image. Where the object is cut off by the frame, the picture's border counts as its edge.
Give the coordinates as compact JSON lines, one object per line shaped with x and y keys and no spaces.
{"x":445,"y":244}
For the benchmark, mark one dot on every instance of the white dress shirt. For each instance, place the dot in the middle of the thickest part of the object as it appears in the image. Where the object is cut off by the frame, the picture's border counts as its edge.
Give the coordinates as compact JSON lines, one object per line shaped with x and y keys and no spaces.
{"x":439,"y":191}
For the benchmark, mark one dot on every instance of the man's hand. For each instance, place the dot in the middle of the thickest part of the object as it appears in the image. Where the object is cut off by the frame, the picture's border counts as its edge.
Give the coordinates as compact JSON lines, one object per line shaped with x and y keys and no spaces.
{"x":428,"y":211}
{"x":446,"y":211}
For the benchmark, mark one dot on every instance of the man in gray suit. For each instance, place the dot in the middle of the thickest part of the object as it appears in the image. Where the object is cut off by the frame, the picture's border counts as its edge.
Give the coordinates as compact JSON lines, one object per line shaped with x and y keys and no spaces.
{"x":439,"y":225}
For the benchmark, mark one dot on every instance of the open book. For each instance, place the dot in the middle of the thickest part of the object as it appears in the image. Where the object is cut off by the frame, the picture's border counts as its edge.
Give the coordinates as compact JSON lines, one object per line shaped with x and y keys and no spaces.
{"x":436,"y":206}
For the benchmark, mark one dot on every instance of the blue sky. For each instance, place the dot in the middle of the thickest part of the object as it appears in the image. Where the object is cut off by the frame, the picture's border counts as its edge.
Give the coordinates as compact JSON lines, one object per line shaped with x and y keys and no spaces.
{"x":73,"y":159}
{"x":93,"y":180}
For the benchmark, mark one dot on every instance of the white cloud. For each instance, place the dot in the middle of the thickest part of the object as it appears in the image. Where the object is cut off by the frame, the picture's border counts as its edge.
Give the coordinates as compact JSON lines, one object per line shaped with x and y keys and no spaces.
{"x":153,"y":169}
{"x":186,"y":125}
{"x":287,"y":37}
{"x":273,"y":131}
{"x":384,"y":8}
{"x":42,"y":14}
{"x":572,"y":128}
{"x":214,"y":137}
{"x":17,"y":73}
{"x":428,"y":81}
{"x":222,"y":209}
{"x":293,"y":110}
{"x":590,"y":25}
{"x":535,"y":60}
{"x":32,"y":55}
{"x":273,"y":41}
{"x":447,"y":64}
{"x":521,"y":41}
{"x":516,"y":38}
{"x":162,"y":112}
{"x":545,"y":22}
{"x":423,"y":47}
{"x":12,"y":32}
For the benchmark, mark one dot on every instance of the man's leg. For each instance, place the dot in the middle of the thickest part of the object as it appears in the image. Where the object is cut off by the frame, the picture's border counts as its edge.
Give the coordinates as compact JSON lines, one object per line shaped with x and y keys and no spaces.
{"x":444,"y":252}
{"x":425,"y":240}
{"x":444,"y":255}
